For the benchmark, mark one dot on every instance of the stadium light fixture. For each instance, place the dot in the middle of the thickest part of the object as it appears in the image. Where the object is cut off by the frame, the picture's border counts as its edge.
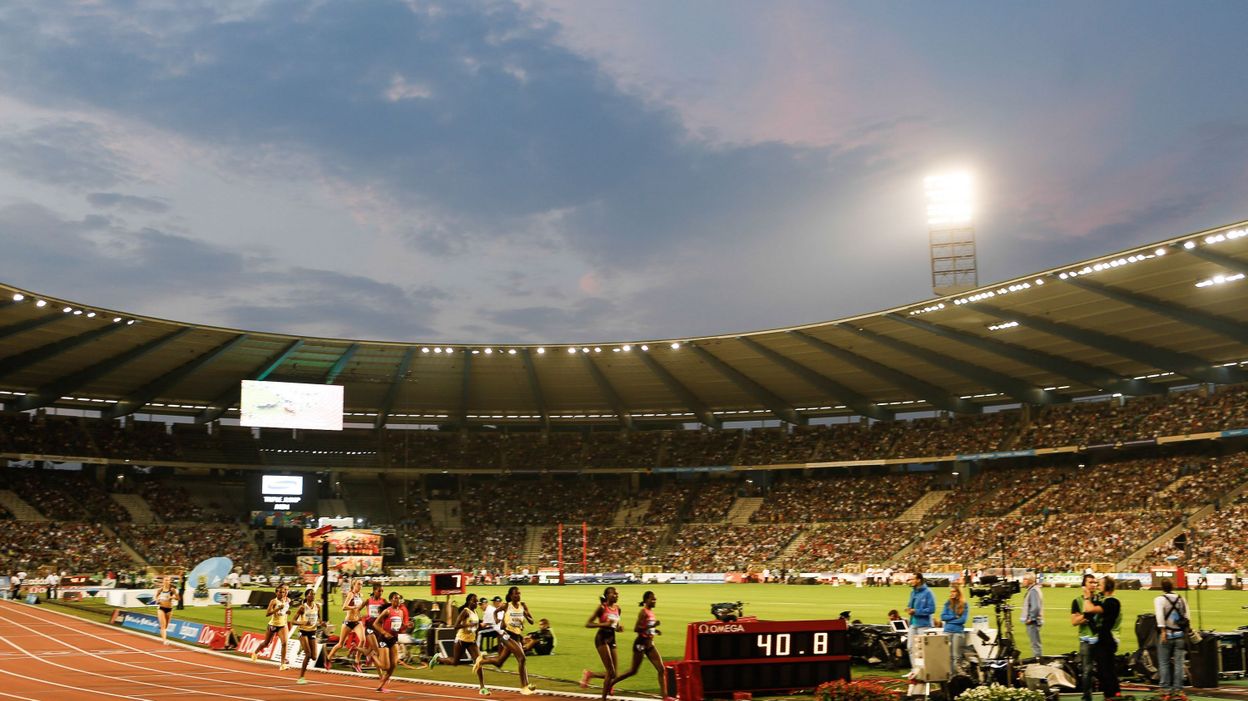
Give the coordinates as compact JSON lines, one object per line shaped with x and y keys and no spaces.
{"x":597,"y":349}
{"x":626,"y":348}
{"x":67,"y":309}
{"x":41,"y":303}
{"x":541,"y":351}
{"x":571,"y":350}
{"x":1003,"y":325}
{"x":511,"y":351}
{"x":1220,"y":280}
{"x":644,"y":347}
{"x":949,"y":199}
{"x":425,"y":349}
{"x":675,"y":346}
{"x":1189,"y":245}
{"x":116,"y":320}
{"x":18,"y":296}
{"x":488,"y":351}
{"x":437,"y":350}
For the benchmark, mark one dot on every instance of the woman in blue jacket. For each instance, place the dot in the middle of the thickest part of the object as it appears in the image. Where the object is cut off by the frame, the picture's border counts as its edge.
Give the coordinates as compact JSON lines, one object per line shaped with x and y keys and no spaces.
{"x":954,"y":617}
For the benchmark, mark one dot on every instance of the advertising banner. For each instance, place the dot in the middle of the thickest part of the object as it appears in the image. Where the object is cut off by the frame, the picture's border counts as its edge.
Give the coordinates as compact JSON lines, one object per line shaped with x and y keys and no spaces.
{"x":250,"y":642}
{"x":353,"y":541}
{"x":187,"y":631}
{"x":346,"y":564}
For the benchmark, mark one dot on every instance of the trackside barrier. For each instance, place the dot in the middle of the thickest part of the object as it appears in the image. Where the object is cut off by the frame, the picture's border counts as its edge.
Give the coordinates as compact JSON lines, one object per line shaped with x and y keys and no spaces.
{"x":211,"y":636}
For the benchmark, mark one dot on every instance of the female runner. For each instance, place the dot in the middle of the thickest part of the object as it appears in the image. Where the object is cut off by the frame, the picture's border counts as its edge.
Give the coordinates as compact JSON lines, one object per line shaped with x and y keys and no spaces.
{"x":606,"y":619}
{"x":388,"y":624}
{"x":278,"y":610}
{"x":372,"y":609}
{"x":166,"y":597}
{"x":308,"y":618}
{"x":353,"y":601}
{"x":511,"y":617}
{"x":647,"y":627}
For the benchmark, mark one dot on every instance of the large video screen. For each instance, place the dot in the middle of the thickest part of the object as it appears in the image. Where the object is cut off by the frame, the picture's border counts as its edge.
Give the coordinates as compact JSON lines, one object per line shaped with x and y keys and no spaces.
{"x":281,"y":493}
{"x":291,"y":405}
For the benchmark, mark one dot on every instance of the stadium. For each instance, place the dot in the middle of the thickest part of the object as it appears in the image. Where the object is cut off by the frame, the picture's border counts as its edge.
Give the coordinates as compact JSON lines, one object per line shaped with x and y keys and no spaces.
{"x":1087,"y":418}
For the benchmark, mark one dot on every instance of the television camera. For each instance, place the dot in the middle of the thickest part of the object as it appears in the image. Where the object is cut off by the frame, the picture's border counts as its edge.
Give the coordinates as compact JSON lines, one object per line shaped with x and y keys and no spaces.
{"x":994,"y":591}
{"x":728,"y":610}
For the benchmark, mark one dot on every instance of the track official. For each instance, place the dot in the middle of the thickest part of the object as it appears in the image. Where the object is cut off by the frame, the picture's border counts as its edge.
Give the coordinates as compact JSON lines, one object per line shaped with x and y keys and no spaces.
{"x":1033,"y":612}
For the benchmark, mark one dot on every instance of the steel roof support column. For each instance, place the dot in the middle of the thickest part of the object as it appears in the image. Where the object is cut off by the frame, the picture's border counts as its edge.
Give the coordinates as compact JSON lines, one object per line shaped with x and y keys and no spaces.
{"x":690,"y":399}
{"x":613,"y":397}
{"x":835,"y":390}
{"x":782,"y":409}
{"x":140,"y":397}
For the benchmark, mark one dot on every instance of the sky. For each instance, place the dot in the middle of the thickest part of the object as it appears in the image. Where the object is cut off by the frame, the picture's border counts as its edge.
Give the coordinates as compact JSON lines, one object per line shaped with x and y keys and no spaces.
{"x":550,"y":171}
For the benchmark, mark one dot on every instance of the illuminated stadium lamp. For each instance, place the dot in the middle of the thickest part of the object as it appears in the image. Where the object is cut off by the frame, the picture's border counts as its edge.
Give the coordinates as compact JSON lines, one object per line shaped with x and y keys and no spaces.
{"x":68,"y":309}
{"x":41,"y":303}
{"x":615,"y":350}
{"x":626,"y":348}
{"x":488,"y":351}
{"x":425,"y":349}
{"x":541,"y":351}
{"x":511,"y":351}
{"x":476,"y":352}
{"x":949,"y":199}
{"x":675,"y":346}
{"x":597,"y":349}
{"x":18,"y":296}
{"x":437,"y":350}
{"x":571,"y":350}
{"x":1159,"y":252}
{"x":585,"y":350}
{"x":645,"y":347}
{"x":77,"y":312}
{"x":130,"y":323}
{"x":90,"y":315}
{"x":116,"y":319}
{"x":1189,"y":245}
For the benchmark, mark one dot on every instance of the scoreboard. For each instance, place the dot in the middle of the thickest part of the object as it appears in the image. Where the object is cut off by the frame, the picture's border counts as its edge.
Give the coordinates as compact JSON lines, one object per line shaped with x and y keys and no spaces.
{"x":767,"y":656}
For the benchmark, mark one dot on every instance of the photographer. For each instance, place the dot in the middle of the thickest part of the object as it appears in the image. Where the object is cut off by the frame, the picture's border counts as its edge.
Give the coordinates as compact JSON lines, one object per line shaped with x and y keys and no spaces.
{"x":1087,"y":623}
{"x":1109,"y":621}
{"x":1169,"y":610}
{"x":1033,"y":612}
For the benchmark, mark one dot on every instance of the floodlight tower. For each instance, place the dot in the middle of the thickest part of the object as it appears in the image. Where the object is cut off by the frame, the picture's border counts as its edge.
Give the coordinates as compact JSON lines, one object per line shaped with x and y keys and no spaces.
{"x":950,"y":233}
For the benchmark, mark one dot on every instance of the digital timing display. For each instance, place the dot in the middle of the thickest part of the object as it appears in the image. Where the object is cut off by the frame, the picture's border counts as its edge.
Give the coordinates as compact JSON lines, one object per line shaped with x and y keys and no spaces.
{"x":752,"y":655}
{"x":444,"y":583}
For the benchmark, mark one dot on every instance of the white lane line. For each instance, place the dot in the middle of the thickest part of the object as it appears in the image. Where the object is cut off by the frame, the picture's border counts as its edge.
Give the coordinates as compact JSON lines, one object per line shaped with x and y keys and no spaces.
{"x":63,"y":686}
{"x":125,"y":680}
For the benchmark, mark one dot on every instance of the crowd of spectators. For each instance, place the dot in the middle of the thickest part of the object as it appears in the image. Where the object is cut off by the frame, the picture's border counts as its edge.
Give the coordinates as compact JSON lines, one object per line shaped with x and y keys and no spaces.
{"x":608,"y":550}
{"x":717,"y":548}
{"x":66,"y":496}
{"x":668,"y":502}
{"x":711,"y":502}
{"x":67,"y":547}
{"x":995,"y":491}
{"x":173,"y":503}
{"x":1116,"y":486}
{"x":835,"y":545}
{"x":818,"y":499}
{"x":492,"y":548}
{"x":1101,"y":421}
{"x":972,"y":541}
{"x":1216,"y":541}
{"x":539,"y":502}
{"x":1206,"y":480}
{"x":164,"y":545}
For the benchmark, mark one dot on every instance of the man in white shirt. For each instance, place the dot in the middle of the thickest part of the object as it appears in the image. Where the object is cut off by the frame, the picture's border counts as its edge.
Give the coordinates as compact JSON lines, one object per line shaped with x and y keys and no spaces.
{"x":1169,"y":609}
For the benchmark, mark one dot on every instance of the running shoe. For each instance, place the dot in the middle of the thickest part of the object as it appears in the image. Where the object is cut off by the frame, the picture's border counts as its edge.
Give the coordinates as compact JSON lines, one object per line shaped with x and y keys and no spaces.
{"x":356,"y":665}
{"x":281,"y":667}
{"x":253,"y":655}
{"x":483,"y":691}
{"x":585,"y":677}
{"x":527,"y":690}
{"x":433,"y":661}
{"x":301,"y":680}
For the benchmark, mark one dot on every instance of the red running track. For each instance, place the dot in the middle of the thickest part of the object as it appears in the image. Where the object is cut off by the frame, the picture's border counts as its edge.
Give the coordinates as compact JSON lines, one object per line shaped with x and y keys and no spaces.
{"x":50,"y":656}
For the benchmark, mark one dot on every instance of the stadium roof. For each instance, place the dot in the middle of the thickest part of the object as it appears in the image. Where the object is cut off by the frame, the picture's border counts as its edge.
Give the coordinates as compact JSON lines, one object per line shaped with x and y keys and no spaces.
{"x":1133,"y":322}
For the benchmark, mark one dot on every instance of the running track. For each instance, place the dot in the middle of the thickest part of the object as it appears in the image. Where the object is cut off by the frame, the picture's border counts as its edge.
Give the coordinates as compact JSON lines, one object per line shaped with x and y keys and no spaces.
{"x":50,"y":656}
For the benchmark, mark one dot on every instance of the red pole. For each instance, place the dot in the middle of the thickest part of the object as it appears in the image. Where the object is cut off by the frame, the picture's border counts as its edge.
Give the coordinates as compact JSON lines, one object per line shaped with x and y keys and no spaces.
{"x":584,"y":546}
{"x":561,"y":547}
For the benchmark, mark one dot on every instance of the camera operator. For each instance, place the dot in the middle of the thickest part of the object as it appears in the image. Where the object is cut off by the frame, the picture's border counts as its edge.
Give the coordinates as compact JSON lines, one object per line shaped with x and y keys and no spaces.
{"x":1169,"y":609}
{"x":1087,"y":632}
{"x":1033,"y":612}
{"x":920,"y":607}
{"x":1109,"y":615}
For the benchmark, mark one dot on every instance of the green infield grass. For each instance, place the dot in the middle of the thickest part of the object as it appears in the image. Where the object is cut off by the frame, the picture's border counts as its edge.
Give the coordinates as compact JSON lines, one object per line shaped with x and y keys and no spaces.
{"x":568,"y":607}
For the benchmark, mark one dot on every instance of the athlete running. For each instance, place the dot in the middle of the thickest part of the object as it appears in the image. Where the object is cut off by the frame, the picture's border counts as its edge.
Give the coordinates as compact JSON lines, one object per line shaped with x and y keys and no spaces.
{"x":278,"y":610}
{"x":308,"y":619}
{"x":509,"y":620}
{"x":388,"y":625}
{"x":646,"y":628}
{"x":350,"y":630}
{"x":166,"y":597}
{"x":606,"y":620}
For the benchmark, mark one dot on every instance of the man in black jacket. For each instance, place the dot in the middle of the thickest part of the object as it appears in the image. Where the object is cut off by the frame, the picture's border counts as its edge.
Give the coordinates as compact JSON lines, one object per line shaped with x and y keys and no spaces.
{"x":1108,"y":624}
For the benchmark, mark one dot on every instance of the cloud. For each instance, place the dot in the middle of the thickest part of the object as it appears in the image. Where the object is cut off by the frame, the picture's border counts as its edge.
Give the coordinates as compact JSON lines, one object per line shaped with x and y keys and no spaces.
{"x":72,"y":154}
{"x":537,"y":323}
{"x":156,"y":273}
{"x":128,"y":203}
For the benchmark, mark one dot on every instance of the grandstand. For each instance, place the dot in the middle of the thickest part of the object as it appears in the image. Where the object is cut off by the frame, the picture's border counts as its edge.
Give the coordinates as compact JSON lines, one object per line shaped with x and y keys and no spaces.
{"x":910,"y":436}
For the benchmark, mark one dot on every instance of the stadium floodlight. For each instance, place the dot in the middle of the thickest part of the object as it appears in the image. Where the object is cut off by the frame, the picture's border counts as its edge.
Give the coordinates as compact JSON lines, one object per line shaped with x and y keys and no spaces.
{"x":425,"y":349}
{"x":18,"y":296}
{"x":511,"y":351}
{"x":626,"y":348}
{"x":645,"y":347}
{"x":41,"y":303}
{"x":951,"y":236}
{"x":541,"y":351}
{"x":949,"y":199}
{"x":675,"y":346}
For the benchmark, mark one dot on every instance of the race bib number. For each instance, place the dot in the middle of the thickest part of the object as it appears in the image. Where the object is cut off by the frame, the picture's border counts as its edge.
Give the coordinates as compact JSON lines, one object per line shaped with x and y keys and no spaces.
{"x":396,"y":623}
{"x":373,"y":609}
{"x":309,"y":617}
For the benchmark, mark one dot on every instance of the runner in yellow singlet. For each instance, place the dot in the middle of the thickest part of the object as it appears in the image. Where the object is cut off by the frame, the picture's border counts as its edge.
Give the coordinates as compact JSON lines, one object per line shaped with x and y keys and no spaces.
{"x":509,"y":620}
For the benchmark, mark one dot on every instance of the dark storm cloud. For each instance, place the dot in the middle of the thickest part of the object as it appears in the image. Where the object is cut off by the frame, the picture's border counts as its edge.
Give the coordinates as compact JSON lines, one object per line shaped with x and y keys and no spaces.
{"x":471,"y":110}
{"x":70,"y":154}
{"x":101,"y":262}
{"x":128,"y":203}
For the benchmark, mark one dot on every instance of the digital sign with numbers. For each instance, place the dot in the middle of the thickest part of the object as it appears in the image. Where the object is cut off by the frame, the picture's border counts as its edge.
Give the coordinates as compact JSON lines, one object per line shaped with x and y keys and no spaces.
{"x":752,"y":655}
{"x":443,"y":583}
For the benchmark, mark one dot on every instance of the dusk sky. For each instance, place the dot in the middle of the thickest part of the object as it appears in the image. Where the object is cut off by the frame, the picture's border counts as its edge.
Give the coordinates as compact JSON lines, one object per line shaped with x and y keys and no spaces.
{"x":574,"y":170}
